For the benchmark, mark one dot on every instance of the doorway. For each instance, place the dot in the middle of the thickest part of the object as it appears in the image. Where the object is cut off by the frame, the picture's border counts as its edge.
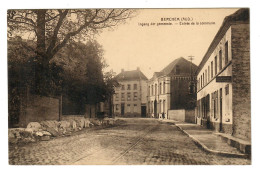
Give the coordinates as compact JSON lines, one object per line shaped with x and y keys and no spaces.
{"x":122,"y":109}
{"x":155,"y":109}
{"x":143,"y":111}
{"x":207,"y":111}
{"x":220,"y":110}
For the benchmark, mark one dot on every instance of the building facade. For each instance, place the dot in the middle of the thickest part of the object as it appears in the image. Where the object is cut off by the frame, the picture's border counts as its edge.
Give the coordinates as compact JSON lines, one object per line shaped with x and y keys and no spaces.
{"x":223,"y":79}
{"x":129,"y":99}
{"x":171,"y":89}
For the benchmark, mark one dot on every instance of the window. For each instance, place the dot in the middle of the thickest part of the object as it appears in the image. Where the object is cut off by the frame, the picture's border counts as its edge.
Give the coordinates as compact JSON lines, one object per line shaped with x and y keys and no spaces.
{"x":149,"y":89}
{"x":128,"y":87}
{"x":135,"y":108}
{"x":211,"y":69}
{"x":163,"y":87}
{"x":122,"y":96}
{"x":152,"y":90}
{"x":163,"y":106}
{"x":148,"y":107}
{"x":128,"y":96}
{"x":117,"y":96}
{"x":117,"y":107}
{"x":199,"y":84}
{"x":227,"y":89}
{"x":152,"y":107}
{"x":135,"y":86}
{"x":214,"y":100}
{"x":155,"y":89}
{"x":160,"y":88}
{"x":123,"y":87}
{"x":226,"y":53}
{"x":208,"y":73}
{"x":215,"y":103}
{"x":216,"y":65}
{"x":135,"y":96}
{"x":128,"y":108}
{"x":220,"y":59}
{"x":203,"y":80}
{"x":160,"y":106}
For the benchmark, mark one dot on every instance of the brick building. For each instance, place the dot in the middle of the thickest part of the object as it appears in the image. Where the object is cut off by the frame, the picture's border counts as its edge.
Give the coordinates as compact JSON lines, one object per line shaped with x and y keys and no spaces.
{"x":129,"y":99}
{"x":223,"y":87}
{"x":170,"y":89}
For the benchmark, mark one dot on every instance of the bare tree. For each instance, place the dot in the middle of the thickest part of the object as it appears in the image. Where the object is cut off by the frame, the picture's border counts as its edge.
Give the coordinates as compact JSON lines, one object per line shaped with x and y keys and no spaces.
{"x":53,"y":29}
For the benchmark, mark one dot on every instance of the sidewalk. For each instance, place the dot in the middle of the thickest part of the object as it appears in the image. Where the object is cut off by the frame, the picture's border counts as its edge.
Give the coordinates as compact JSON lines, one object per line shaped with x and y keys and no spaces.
{"x":207,"y":139}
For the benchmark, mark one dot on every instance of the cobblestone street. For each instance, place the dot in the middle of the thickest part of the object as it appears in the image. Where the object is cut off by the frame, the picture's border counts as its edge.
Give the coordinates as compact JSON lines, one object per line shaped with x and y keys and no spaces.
{"x":135,"y":141}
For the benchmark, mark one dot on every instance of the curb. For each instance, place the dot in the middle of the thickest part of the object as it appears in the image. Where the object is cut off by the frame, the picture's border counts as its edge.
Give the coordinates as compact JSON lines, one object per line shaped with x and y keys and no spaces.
{"x":205,"y":148}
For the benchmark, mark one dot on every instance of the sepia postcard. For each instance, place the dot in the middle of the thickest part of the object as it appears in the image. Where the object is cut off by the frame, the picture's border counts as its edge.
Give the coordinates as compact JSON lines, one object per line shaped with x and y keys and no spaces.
{"x":129,"y":86}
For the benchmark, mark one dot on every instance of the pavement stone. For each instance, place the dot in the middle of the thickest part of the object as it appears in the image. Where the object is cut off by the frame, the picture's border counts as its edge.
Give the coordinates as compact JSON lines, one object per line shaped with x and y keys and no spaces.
{"x":207,"y":139}
{"x":134,"y":142}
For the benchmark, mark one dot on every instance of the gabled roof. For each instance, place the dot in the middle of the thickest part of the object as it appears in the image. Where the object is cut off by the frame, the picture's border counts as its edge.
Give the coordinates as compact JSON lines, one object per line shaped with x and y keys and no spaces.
{"x":131,"y":75}
{"x":182,"y":63}
{"x":241,"y":16}
{"x":157,"y":74}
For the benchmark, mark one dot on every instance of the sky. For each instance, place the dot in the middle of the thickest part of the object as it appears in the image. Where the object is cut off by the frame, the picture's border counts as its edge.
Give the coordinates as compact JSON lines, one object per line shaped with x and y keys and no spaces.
{"x":153,"y":47}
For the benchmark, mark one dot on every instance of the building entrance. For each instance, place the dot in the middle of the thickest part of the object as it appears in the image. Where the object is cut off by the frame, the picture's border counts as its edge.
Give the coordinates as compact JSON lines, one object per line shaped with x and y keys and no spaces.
{"x":122,"y":109}
{"x":220,"y":110}
{"x":155,"y":109}
{"x":143,"y":111}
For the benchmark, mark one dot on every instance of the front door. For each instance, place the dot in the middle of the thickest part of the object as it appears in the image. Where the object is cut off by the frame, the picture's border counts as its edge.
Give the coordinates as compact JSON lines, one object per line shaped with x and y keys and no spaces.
{"x":155,"y":109}
{"x":143,"y":111}
{"x":220,"y":109}
{"x":122,"y":109}
{"x":207,"y":111}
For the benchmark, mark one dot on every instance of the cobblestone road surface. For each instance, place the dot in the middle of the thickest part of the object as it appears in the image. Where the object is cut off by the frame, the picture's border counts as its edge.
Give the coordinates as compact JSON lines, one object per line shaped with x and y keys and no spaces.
{"x":137,"y":141}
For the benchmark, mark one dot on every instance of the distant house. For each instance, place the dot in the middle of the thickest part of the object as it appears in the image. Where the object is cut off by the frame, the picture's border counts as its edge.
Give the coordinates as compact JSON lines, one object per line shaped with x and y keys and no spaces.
{"x":223,"y":96}
{"x":129,"y":99}
{"x":172,"y":88}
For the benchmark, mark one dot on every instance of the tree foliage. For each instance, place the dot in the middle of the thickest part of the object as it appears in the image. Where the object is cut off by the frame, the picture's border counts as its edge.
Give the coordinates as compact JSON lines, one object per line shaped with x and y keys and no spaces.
{"x":53,"y":29}
{"x":82,"y":76}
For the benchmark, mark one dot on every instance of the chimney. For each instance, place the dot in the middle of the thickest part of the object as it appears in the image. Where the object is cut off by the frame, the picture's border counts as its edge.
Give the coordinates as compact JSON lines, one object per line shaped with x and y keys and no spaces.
{"x":122,"y":70}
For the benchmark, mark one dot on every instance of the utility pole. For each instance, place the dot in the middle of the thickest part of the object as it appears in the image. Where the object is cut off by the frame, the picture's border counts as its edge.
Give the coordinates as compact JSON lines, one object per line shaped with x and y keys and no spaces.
{"x":191,"y":75}
{"x":191,"y":58}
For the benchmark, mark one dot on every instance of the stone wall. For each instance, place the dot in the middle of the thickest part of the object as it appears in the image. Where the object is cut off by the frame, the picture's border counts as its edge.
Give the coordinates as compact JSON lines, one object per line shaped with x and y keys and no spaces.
{"x":39,"y":108}
{"x":72,"y":117}
{"x":178,"y":115}
{"x":241,"y":81}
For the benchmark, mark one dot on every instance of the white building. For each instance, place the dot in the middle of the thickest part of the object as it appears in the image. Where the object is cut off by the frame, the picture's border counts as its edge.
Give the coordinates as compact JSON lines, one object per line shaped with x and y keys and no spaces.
{"x":223,"y":88}
{"x":130,"y":97}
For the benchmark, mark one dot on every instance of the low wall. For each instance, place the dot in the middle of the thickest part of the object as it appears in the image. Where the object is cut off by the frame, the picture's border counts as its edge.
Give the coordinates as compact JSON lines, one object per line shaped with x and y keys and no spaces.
{"x":182,"y":115}
{"x":72,"y":117}
{"x":190,"y":116}
{"x":178,"y":115}
{"x":39,"y":108}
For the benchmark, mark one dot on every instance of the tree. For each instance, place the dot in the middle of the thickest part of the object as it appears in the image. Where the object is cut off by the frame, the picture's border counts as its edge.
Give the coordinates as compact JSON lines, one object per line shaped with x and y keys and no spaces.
{"x":53,"y":29}
{"x":109,"y":86}
{"x":82,"y":76}
{"x":21,"y":75}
